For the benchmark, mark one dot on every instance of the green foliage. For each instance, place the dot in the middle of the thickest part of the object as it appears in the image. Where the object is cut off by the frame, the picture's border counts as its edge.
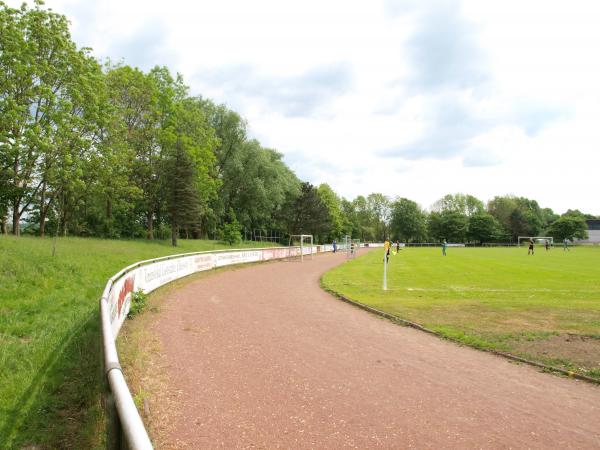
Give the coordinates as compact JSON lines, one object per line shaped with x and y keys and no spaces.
{"x":231,"y":229}
{"x":51,"y":107}
{"x":187,"y":164}
{"x":138,"y":303}
{"x":458,"y":203}
{"x":379,"y":207}
{"x":308,"y":214}
{"x":569,"y":226}
{"x":519,"y":216}
{"x":409,"y":221}
{"x":337,"y":226}
{"x":450,"y":225}
{"x":483,"y":227}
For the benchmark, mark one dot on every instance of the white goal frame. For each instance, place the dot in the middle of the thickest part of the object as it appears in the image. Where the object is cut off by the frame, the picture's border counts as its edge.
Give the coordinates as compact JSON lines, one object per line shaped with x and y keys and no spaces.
{"x":546,"y":238}
{"x":302,"y":237}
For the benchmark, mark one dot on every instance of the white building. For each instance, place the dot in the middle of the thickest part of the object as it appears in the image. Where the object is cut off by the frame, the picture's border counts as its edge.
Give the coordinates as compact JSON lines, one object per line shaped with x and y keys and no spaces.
{"x":593,"y":232}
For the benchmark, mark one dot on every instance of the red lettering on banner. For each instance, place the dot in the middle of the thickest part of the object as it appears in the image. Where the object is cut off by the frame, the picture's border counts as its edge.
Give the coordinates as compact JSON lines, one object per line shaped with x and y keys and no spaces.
{"x":126,"y":289}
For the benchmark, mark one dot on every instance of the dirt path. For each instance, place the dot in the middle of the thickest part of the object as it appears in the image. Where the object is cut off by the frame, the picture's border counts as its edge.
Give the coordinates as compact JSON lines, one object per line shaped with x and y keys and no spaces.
{"x":261,"y":357}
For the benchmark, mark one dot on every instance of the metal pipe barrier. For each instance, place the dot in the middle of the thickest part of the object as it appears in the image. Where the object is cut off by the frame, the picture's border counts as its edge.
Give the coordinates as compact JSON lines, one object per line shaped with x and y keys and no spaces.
{"x":125,"y":426}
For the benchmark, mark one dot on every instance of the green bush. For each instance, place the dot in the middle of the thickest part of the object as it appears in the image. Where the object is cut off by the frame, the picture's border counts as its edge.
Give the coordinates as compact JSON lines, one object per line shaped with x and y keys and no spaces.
{"x":231,"y":230}
{"x":138,"y":303}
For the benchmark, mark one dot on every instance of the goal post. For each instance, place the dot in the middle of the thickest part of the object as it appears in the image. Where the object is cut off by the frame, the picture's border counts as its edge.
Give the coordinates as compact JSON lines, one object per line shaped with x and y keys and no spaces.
{"x":304,"y":242}
{"x":537,"y":239}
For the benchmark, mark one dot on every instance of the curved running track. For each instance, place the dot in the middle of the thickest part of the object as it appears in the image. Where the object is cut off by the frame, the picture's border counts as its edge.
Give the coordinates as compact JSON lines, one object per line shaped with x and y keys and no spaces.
{"x":261,"y":357}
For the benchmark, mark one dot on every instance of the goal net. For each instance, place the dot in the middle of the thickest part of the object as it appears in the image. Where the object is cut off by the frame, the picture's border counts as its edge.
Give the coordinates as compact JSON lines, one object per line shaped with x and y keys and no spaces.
{"x":303,"y":245}
{"x":536,"y":239}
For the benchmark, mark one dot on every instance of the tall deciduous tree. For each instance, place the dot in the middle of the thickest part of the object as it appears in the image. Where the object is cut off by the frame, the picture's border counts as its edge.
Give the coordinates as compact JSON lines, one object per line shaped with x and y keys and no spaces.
{"x":135,"y":98}
{"x":379,"y":207}
{"x":450,"y":225}
{"x":365,"y":217}
{"x":188,"y":164}
{"x":483,"y":227}
{"x":48,"y":108}
{"x":334,"y":206}
{"x":409,"y":222}
{"x":569,"y":226}
{"x":519,"y":216}
{"x":465,"y":204}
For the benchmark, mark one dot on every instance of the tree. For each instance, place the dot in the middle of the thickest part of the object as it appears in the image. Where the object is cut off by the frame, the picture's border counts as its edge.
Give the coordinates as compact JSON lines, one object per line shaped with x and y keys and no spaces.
{"x":48,"y":106}
{"x":501,"y":207}
{"x":519,"y":216}
{"x":231,"y":229}
{"x":569,"y":226}
{"x":334,"y":207}
{"x":449,"y":225}
{"x":365,"y":219}
{"x":379,"y":212}
{"x":351,"y":220}
{"x":409,"y":222}
{"x":187,"y":161}
{"x":548,"y":217}
{"x":483,"y":227}
{"x":308,"y":214}
{"x":232,"y":152}
{"x":135,"y":99}
{"x":460,"y":203}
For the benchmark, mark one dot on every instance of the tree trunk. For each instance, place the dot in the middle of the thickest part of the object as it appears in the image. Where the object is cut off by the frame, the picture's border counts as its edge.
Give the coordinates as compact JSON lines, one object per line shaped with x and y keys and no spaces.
{"x":150,"y":221}
{"x":16,"y":219}
{"x":42,"y":221}
{"x":43,"y":211}
{"x":64,"y":223}
{"x":174,"y":232}
{"x":3,"y":225}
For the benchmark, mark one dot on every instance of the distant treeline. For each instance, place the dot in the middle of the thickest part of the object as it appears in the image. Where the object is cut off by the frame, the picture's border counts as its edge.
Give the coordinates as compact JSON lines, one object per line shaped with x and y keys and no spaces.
{"x":109,"y":150}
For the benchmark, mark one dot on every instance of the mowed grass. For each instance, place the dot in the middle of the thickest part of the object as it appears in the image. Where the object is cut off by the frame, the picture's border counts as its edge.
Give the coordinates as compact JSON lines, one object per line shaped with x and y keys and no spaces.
{"x":545,"y":307}
{"x":50,"y":354}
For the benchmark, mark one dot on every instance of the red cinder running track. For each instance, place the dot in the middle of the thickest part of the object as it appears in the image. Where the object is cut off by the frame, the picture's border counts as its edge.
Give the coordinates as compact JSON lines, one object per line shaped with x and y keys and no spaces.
{"x":261,"y":357}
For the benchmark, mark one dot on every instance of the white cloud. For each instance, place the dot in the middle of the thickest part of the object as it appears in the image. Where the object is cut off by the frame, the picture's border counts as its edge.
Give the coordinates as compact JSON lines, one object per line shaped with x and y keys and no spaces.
{"x":409,"y":98}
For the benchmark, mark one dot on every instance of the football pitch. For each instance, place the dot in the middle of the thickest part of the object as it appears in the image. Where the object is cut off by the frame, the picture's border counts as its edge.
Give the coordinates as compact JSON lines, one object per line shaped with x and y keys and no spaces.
{"x":544,"y":307}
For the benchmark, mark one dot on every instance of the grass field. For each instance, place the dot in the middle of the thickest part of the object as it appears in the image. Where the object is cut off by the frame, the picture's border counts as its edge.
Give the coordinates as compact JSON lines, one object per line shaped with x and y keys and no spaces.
{"x":544,"y":307}
{"x":50,"y":376}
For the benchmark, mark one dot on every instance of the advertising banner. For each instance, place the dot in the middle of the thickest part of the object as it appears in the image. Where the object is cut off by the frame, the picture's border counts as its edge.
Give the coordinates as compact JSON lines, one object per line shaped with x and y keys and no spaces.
{"x":228,"y":258}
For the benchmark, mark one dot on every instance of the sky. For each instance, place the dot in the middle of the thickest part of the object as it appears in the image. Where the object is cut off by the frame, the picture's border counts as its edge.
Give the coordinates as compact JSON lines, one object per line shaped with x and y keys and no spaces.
{"x":411,"y":98}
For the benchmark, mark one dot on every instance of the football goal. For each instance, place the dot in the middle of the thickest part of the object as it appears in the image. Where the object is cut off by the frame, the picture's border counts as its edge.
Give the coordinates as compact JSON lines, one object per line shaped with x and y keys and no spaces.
{"x":536,"y":239}
{"x":304,"y":244}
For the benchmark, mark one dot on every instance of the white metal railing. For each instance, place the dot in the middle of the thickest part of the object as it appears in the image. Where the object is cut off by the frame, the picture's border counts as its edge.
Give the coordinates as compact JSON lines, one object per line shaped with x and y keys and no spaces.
{"x":126,"y":428}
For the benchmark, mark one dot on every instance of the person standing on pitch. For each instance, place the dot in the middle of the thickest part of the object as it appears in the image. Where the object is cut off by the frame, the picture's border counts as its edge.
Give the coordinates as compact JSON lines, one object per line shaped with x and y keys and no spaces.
{"x":530,"y":251}
{"x":387,"y":245}
{"x":397,"y":246}
{"x":566,"y":245}
{"x":334,"y":246}
{"x":547,"y":244}
{"x":444,"y":246}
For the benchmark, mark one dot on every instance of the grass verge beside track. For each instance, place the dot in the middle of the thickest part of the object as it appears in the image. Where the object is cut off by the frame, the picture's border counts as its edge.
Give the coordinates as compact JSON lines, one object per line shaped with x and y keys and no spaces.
{"x":50,"y":376}
{"x":545,"y":307}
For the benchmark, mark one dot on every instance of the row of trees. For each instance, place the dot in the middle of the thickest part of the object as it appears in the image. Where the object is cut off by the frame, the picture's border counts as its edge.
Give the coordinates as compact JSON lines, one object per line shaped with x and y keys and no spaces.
{"x":464,"y":218}
{"x":109,"y":150}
